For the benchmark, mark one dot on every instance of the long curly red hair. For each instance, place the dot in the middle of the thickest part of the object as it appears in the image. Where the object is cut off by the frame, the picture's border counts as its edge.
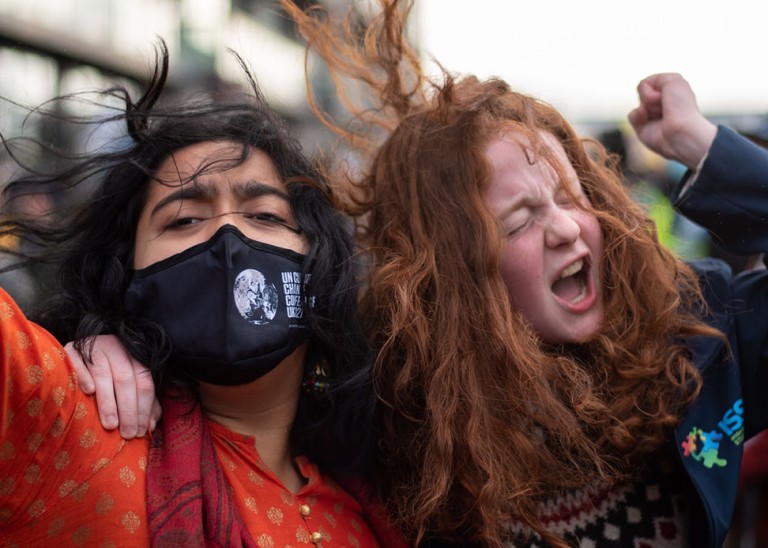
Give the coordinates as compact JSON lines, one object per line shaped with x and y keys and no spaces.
{"x":480,"y":420}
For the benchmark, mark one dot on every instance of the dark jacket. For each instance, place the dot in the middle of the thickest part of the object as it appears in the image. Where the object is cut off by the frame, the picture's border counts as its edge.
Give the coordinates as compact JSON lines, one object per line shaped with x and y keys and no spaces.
{"x":729,"y":197}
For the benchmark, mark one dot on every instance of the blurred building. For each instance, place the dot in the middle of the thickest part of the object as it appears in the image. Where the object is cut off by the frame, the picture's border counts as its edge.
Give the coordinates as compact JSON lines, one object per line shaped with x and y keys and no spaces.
{"x":52,"y":48}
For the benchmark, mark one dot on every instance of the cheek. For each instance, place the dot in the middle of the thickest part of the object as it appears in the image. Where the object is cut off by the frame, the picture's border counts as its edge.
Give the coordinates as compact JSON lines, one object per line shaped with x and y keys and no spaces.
{"x":149,"y":248}
{"x":142,"y":251}
{"x":520,"y":274}
{"x":592,"y":233}
{"x":146,"y":252}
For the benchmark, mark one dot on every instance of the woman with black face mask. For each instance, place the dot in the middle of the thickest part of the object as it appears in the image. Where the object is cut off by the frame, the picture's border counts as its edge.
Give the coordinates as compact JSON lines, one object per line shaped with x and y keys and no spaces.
{"x":211,"y":250}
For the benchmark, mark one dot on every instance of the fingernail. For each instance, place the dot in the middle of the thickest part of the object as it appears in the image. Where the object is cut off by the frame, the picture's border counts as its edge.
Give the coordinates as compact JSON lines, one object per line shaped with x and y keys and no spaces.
{"x":152,"y":425}
{"x":109,"y":422}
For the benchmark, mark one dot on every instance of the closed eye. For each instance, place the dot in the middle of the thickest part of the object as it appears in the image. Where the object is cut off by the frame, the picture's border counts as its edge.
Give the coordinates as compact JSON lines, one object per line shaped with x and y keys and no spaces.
{"x":517,"y":229}
{"x":563,"y":199}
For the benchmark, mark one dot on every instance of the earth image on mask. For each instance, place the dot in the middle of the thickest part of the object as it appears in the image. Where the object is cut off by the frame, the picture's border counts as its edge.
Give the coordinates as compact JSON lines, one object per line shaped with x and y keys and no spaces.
{"x":255,"y":298}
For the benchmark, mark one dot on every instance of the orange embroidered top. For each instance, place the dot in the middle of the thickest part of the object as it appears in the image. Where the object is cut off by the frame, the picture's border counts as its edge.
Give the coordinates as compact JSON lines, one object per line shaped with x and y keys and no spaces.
{"x":66,"y":481}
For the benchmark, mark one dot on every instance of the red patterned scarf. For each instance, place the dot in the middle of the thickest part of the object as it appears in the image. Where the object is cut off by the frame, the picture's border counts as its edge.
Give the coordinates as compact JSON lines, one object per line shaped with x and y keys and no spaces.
{"x":188,"y":502}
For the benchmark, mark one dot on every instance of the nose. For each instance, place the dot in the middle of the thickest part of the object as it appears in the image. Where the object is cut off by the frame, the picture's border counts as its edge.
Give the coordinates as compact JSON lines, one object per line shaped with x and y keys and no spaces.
{"x":232,"y":218}
{"x":562,"y":228}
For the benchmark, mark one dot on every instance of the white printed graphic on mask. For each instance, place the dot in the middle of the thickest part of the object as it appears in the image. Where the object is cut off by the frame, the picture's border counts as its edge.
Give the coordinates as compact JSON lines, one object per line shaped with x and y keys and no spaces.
{"x":255,"y":298}
{"x":294,"y":302}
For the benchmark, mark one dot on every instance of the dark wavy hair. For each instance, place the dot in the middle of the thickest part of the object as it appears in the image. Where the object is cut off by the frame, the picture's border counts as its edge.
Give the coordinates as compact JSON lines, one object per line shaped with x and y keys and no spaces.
{"x":97,"y":248}
{"x":482,"y":422}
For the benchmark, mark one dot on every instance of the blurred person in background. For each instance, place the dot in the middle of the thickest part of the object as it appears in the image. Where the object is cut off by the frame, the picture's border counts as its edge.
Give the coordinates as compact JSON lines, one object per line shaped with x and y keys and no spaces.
{"x":25,"y":284}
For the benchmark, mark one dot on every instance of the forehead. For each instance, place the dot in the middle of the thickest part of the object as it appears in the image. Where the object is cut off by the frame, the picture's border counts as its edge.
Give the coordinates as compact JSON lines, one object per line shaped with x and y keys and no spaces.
{"x":210,"y":164}
{"x":212,"y":158}
{"x":514,"y":159}
{"x":514,"y":150}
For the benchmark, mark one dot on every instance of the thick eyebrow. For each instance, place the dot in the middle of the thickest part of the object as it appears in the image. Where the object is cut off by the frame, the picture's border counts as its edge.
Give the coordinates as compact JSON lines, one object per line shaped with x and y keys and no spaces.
{"x":246,"y":190}
{"x":202,"y":190}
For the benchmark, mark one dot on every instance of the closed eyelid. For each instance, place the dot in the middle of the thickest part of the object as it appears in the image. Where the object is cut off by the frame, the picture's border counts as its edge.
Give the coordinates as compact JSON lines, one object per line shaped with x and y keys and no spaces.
{"x":518,"y":218}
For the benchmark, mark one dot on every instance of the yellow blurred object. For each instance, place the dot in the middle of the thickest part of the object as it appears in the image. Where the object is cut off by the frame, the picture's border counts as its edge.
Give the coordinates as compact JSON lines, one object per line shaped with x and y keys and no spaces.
{"x":9,"y":241}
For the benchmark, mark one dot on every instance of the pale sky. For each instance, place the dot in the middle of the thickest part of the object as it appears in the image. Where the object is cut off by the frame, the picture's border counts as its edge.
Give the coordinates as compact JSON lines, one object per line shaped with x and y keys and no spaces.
{"x":585,"y":57}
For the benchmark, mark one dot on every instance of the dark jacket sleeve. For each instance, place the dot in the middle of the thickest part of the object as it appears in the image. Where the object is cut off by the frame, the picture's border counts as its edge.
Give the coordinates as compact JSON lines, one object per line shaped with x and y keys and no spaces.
{"x":729,"y":197}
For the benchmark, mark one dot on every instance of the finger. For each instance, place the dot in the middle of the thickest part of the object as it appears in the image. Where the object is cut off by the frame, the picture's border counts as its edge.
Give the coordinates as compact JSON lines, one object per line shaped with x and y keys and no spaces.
{"x":145,"y":394}
{"x":157,"y":413}
{"x":84,"y":378}
{"x":124,"y":391}
{"x":104,"y":390}
{"x":655,"y":82}
{"x":648,"y":89}
{"x":637,"y":117}
{"x":650,"y":97}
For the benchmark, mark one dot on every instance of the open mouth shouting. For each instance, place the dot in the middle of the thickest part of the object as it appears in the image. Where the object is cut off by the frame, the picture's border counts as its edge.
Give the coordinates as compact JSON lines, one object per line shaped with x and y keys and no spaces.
{"x":573,"y":286}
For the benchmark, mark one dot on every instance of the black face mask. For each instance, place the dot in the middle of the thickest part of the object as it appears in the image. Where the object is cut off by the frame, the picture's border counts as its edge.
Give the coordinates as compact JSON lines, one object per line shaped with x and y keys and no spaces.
{"x":232,"y":307}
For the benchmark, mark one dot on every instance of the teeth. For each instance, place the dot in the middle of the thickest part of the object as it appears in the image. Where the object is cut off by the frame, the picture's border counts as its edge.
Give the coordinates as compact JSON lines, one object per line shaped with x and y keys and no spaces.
{"x":580,"y":296}
{"x":573,"y":269}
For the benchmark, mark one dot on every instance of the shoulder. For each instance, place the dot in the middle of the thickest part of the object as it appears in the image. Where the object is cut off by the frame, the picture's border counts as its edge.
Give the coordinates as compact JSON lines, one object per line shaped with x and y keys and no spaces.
{"x":715,"y":277}
{"x":50,"y":433}
{"x":40,"y":396}
{"x":40,"y":387}
{"x":28,"y":350}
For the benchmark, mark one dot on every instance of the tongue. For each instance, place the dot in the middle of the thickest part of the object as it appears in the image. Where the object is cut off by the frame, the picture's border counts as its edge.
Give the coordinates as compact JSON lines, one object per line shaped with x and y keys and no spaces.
{"x":567,"y":288}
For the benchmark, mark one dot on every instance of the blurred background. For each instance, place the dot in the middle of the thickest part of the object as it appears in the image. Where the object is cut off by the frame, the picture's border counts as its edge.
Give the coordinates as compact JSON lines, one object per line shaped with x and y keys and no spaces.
{"x":585,"y":58}
{"x":53,"y":48}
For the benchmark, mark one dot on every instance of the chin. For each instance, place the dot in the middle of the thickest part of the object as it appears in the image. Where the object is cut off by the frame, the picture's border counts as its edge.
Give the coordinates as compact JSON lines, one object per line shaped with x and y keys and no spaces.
{"x":585,"y":334}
